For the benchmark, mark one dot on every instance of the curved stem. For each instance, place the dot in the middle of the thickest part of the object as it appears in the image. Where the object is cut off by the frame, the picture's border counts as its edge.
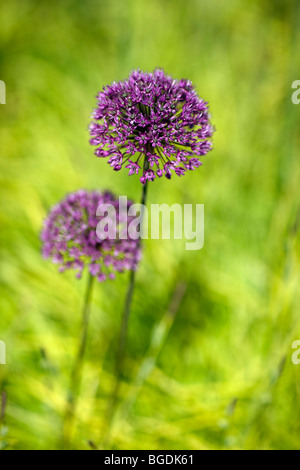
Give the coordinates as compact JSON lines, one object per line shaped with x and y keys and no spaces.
{"x":128,"y":300}
{"x":124,"y":324}
{"x":75,"y":380}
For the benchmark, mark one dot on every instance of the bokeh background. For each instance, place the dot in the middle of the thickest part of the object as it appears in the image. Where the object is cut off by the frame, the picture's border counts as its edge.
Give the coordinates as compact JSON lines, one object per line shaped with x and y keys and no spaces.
{"x":216,"y":372}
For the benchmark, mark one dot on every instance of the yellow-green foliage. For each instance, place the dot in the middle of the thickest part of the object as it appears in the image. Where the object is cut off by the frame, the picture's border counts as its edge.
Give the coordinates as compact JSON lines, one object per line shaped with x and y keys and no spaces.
{"x":220,"y":376}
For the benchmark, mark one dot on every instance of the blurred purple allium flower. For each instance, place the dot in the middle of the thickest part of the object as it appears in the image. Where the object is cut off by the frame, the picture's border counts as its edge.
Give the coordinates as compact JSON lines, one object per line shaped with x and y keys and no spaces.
{"x":151,"y":123}
{"x":70,"y":240}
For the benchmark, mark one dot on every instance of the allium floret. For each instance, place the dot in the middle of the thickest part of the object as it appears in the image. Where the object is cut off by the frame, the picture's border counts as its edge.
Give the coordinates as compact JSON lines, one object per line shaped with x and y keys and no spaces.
{"x":70,"y":239}
{"x":152,"y":124}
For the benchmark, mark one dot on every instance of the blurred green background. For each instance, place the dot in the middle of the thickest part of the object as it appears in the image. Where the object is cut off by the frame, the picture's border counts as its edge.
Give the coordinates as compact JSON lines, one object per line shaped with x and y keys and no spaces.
{"x":219,"y":373}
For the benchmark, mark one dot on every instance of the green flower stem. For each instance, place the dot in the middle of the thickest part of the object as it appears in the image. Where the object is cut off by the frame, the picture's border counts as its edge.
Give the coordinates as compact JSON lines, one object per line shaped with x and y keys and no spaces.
{"x":75,"y":380}
{"x":128,"y":300}
{"x":124,"y":325}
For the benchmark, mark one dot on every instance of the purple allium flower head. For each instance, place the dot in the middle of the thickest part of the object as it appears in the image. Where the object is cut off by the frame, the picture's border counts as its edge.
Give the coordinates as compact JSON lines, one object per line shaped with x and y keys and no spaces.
{"x":70,"y":240}
{"x":153,"y":124}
